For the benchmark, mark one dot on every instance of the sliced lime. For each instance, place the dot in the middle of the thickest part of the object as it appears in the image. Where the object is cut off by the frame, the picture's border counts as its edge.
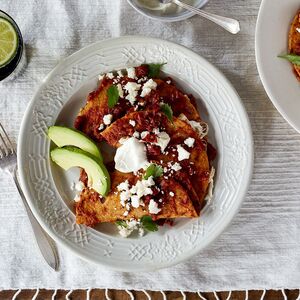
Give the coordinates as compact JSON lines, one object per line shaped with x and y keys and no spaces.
{"x":8,"y":41}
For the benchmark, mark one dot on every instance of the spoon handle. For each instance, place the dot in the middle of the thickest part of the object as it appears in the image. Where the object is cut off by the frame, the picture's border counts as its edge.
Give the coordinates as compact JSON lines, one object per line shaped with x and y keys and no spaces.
{"x":229,"y":24}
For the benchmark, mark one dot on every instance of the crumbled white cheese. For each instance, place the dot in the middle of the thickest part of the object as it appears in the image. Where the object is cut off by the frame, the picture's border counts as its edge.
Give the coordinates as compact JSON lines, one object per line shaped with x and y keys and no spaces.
{"x":144,"y":134}
{"x":101,"y":127}
{"x":79,"y":186}
{"x":156,"y":131}
{"x":133,"y":196}
{"x":132,"y":123}
{"x":189,"y":142}
{"x":131,"y":226}
{"x":148,"y":87}
{"x":211,"y":184}
{"x":163,"y":140}
{"x":153,"y":207}
{"x":107,"y":119}
{"x":298,"y":29}
{"x":131,"y":72}
{"x":120,"y":74}
{"x":123,"y":186}
{"x":100,"y":77}
{"x":132,"y":88}
{"x":141,"y":231}
{"x":135,"y":201}
{"x":200,"y":128}
{"x":143,"y":187}
{"x":136,"y":134}
{"x":168,"y":81}
{"x":120,"y":90}
{"x":77,"y":198}
{"x":176,"y":166}
{"x":131,"y":156}
{"x":110,"y":75}
{"x":182,"y":153}
{"x":171,"y":194}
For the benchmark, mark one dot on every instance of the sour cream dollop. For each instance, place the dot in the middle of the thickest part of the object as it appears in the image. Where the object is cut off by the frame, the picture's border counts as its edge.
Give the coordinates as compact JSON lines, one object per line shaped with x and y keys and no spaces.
{"x":131,"y":156}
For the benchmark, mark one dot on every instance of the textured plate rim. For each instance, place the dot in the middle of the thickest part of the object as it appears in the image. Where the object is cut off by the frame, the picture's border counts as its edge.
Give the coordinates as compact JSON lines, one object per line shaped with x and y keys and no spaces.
{"x":229,"y":216}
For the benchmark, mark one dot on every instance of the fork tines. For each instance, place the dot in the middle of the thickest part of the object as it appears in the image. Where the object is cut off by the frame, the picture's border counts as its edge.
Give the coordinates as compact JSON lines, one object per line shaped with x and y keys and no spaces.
{"x":6,"y":146}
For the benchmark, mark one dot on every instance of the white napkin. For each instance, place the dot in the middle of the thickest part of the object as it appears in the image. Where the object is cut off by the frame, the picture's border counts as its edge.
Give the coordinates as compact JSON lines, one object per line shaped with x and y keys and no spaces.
{"x":261,"y":247}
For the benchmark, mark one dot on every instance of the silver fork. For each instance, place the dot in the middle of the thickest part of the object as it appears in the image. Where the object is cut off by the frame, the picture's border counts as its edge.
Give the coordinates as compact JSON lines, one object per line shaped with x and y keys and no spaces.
{"x":8,"y":163}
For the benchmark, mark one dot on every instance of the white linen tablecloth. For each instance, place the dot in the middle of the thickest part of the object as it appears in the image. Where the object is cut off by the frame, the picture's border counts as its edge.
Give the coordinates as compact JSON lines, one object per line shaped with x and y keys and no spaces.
{"x":261,"y":248}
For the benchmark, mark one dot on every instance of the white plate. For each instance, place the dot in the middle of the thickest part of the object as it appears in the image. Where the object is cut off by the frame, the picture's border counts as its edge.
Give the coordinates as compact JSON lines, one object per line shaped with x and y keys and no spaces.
{"x":271,"y":40}
{"x":47,"y":187}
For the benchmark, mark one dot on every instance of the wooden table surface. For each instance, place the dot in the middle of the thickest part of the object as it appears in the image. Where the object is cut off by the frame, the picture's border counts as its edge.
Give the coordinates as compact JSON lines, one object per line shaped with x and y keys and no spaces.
{"x":97,"y":294}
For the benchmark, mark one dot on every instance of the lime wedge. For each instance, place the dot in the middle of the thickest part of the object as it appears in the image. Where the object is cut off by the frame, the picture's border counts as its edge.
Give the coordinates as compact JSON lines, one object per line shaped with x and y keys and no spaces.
{"x":8,"y":41}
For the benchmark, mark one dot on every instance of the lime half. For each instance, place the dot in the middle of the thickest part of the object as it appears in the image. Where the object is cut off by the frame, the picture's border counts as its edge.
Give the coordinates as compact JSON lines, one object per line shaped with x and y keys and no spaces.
{"x":8,"y":41}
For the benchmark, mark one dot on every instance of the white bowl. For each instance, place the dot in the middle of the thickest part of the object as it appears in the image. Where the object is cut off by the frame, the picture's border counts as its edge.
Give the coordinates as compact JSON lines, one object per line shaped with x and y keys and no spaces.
{"x":271,"y":40}
{"x":154,"y":14}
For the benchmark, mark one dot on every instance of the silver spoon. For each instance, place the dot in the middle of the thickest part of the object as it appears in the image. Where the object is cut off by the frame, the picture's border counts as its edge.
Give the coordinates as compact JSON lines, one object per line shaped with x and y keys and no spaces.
{"x":229,"y":24}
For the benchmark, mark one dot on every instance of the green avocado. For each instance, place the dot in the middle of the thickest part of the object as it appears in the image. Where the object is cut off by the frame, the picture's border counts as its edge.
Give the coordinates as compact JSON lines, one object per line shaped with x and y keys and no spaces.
{"x":64,"y":136}
{"x":98,"y":176}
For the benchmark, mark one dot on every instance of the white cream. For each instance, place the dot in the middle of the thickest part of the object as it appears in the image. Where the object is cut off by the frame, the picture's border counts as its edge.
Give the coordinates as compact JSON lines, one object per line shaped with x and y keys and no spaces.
{"x":131,"y":156}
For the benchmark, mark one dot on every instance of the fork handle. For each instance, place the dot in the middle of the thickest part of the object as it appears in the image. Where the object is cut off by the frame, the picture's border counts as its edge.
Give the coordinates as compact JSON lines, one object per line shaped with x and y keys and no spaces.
{"x":231,"y":25}
{"x":44,"y":241}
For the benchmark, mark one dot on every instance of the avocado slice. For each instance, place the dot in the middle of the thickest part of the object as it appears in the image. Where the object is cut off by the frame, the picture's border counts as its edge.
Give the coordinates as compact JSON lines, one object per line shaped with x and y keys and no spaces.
{"x":64,"y":136}
{"x":97,"y":173}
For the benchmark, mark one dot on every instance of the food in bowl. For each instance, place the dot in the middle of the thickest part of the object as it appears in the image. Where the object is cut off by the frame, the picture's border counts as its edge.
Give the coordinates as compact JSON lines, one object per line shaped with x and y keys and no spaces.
{"x":162,"y":167}
{"x":294,"y":45}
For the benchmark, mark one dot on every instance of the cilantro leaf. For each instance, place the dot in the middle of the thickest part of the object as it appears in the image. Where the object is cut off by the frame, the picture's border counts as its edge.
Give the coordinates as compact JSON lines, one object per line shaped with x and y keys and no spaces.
{"x":154,"y":70}
{"x":148,"y":223}
{"x":293,"y":58}
{"x":167,"y":110}
{"x":153,"y":170}
{"x":121,"y":223}
{"x":113,"y":96}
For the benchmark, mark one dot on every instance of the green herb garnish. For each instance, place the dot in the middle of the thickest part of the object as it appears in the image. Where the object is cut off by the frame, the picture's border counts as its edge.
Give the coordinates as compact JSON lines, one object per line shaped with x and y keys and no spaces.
{"x":154,"y":70}
{"x":153,"y":170}
{"x":121,"y":223}
{"x":148,"y":223}
{"x":113,"y":96}
{"x":167,"y":110}
{"x":293,"y":58}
